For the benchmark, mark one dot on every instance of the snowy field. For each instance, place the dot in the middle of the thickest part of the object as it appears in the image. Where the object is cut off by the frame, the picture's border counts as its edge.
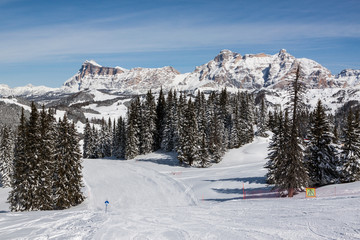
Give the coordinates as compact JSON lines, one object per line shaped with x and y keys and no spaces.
{"x":152,"y":198}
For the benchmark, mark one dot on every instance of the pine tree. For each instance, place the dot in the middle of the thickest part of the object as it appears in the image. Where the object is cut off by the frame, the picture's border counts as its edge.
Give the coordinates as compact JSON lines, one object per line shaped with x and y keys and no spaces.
{"x":262,"y":120}
{"x":33,"y":159}
{"x":170,"y":126}
{"x":295,"y":177}
{"x":188,"y":150}
{"x":46,"y":162}
{"x":149,"y":124}
{"x":119,"y":139}
{"x":350,"y":151}
{"x":216,"y":144}
{"x":87,"y":139}
{"x":133,"y":137}
{"x":19,"y":195}
{"x":323,"y":154}
{"x":160,"y":120}
{"x":6,"y":157}
{"x":68,"y":167}
{"x":276,"y":150}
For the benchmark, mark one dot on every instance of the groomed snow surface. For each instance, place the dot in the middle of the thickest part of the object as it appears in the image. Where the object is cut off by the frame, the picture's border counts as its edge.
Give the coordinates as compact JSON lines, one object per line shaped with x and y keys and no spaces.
{"x":151,"y":197}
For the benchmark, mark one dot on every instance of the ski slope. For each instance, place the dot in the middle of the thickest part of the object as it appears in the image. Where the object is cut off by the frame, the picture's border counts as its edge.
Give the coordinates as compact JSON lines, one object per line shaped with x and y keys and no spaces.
{"x":151,"y":197}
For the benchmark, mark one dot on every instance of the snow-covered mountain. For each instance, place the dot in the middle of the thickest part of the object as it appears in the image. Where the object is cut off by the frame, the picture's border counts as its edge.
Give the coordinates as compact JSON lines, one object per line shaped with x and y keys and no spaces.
{"x":227,"y":69}
{"x":136,"y":80}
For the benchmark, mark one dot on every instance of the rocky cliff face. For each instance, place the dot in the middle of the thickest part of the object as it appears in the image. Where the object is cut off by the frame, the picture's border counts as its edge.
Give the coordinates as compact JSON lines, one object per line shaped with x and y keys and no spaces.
{"x":93,"y":76}
{"x":227,"y":69}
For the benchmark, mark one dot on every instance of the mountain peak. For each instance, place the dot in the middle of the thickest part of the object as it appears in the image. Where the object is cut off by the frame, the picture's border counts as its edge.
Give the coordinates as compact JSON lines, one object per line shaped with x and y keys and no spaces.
{"x":91,"y":62}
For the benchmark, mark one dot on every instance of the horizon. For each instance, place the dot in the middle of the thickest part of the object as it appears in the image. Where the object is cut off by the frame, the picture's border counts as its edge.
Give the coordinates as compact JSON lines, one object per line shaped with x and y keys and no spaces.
{"x":45,"y":42}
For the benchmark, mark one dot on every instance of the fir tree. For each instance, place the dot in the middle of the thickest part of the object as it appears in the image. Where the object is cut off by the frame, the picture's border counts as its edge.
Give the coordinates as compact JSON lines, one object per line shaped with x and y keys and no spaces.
{"x":19,"y":195}
{"x":323,"y":154}
{"x":350,"y":151}
{"x":276,"y":149}
{"x":149,"y":124}
{"x":68,"y":167}
{"x":6,"y":157}
{"x":46,"y":162}
{"x":170,"y":123}
{"x":188,"y":150}
{"x":87,"y":139}
{"x":262,"y":120}
{"x":295,"y":177}
{"x":160,"y":120}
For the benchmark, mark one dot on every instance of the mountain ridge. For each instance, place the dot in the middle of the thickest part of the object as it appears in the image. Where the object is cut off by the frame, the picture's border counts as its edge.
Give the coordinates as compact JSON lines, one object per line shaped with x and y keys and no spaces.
{"x":227,"y":69}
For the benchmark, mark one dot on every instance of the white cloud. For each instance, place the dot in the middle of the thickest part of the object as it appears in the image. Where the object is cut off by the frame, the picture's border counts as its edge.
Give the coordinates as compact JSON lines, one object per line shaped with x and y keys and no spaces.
{"x":58,"y":40}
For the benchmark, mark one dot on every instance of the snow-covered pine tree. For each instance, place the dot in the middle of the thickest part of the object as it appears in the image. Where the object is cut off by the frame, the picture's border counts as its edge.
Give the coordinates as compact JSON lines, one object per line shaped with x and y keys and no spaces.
{"x":276,"y":153}
{"x":47,"y":151}
{"x":149,"y":124}
{"x":216,"y":128}
{"x":170,"y":128}
{"x":19,"y":195}
{"x":262,"y":119}
{"x":68,"y":181}
{"x":33,"y":160}
{"x":105,"y":138}
{"x":188,"y":150}
{"x":295,"y":177}
{"x":75,"y":171}
{"x":119,"y":139}
{"x":133,"y":130}
{"x":322,"y":159}
{"x":6,"y":157}
{"x":350,"y":150}
{"x":87,"y":137}
{"x":160,"y":119}
{"x":93,"y":148}
{"x":246,"y":119}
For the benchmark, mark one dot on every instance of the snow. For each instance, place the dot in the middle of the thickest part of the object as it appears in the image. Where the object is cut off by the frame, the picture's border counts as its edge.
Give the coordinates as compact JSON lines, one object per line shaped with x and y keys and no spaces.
{"x":151,"y":197}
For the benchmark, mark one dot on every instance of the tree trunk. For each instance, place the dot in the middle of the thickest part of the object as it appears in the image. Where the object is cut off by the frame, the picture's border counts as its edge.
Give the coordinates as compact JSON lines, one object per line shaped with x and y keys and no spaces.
{"x":291,"y":192}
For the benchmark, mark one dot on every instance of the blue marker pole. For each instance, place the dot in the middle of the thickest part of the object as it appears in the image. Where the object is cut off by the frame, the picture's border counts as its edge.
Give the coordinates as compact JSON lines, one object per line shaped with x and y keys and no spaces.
{"x":106,"y":204}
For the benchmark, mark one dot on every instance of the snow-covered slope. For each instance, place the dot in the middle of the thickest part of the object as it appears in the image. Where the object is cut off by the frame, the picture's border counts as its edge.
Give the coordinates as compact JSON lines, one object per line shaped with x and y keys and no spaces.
{"x":28,"y":90}
{"x":153,"y":198}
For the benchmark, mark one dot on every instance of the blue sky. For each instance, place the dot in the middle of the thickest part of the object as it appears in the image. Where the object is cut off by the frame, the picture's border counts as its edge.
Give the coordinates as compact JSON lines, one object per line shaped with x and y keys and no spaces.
{"x":44,"y":42}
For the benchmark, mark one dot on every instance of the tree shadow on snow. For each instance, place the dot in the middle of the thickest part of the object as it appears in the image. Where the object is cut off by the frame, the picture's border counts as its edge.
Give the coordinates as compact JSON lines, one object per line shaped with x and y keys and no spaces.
{"x":167,"y":158}
{"x":247,"y":193}
{"x":259,"y":180}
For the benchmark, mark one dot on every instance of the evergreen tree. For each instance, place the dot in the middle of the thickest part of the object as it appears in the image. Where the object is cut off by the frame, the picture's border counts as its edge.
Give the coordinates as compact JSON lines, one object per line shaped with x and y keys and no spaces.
{"x":33,"y":159}
{"x":6,"y":157}
{"x":160,"y":120}
{"x":149,"y":124}
{"x":19,"y":195}
{"x":188,"y":150}
{"x":87,"y":139}
{"x":350,"y":151}
{"x":295,"y":177}
{"x":46,"y":161}
{"x":133,"y":138}
{"x":119,"y":139}
{"x":276,"y":149}
{"x":323,"y":154}
{"x":68,"y":167}
{"x":262,"y":120}
{"x":170,"y":123}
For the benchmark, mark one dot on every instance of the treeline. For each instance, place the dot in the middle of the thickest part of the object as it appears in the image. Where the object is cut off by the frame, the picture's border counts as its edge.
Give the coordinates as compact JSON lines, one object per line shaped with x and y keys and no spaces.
{"x":199,"y":129}
{"x":41,"y":163}
{"x":307,"y":148}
